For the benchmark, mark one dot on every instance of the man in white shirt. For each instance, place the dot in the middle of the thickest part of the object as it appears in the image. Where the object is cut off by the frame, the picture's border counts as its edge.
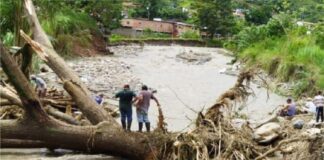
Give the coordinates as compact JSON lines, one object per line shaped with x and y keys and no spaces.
{"x":319,"y":103}
{"x":40,"y":86}
{"x":310,"y":106}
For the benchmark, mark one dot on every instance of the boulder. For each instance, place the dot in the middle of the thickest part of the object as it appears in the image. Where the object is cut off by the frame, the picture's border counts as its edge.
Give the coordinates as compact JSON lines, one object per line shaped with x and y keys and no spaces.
{"x":298,"y":124}
{"x":267,"y":133}
{"x":312,"y":132}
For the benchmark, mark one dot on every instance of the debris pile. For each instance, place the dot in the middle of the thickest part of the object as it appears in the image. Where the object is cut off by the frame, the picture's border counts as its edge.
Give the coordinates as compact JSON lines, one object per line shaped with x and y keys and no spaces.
{"x":194,"y":58}
{"x":215,"y":136}
{"x":56,"y":102}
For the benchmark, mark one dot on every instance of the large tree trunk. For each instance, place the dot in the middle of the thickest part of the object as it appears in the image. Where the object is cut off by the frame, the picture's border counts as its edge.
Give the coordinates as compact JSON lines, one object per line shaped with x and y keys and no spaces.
{"x":43,"y":47}
{"x":19,"y":143}
{"x":101,"y":138}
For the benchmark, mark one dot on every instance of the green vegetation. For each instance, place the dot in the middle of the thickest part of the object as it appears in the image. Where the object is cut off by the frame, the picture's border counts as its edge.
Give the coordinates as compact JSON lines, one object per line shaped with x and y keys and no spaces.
{"x":149,"y":35}
{"x":116,"y":38}
{"x":289,"y":52}
{"x":214,"y":16}
{"x":69,"y":24}
{"x":290,"y":58}
{"x":190,"y":35}
{"x":166,"y":9}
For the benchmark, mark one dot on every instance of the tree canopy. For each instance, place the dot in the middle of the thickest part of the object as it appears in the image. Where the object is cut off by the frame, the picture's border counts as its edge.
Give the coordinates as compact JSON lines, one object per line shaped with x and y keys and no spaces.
{"x":215,"y":16}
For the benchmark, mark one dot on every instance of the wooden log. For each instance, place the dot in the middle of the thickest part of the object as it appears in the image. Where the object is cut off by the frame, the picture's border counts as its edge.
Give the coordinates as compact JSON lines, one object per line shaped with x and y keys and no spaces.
{"x":19,"y":143}
{"x":26,"y":93}
{"x":61,"y":116}
{"x":102,"y":138}
{"x":10,"y":96}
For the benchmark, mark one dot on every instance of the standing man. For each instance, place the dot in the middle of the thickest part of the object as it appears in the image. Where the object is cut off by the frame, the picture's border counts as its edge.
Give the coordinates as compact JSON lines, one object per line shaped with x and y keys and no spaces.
{"x":125,"y":106}
{"x":142,"y":106}
{"x":319,"y":103}
{"x":40,"y":88}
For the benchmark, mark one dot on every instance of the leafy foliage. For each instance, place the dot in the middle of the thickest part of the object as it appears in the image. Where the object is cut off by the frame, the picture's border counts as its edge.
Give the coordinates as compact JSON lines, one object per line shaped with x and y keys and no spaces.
{"x":215,"y":16}
{"x":166,"y":9}
{"x":190,"y":35}
{"x":295,"y":56}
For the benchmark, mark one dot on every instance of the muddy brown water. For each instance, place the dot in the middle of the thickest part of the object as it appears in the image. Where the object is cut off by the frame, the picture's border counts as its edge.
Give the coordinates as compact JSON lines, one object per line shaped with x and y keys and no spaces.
{"x":183,"y":88}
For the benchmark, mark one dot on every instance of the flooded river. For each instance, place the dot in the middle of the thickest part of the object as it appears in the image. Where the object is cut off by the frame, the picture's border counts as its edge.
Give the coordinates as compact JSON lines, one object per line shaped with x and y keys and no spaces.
{"x":184,"y":87}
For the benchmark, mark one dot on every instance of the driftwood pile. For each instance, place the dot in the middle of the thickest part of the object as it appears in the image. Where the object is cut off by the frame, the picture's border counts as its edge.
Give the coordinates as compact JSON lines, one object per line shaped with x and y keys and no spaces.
{"x":56,"y":102}
{"x":215,"y":136}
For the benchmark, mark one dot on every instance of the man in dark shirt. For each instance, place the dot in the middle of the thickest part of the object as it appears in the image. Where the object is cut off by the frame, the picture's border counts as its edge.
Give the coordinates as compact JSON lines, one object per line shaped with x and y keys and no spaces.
{"x":125,"y":106}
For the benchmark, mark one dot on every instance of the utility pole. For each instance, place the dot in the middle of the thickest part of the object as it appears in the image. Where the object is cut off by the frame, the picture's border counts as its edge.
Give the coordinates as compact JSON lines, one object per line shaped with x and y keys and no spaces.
{"x":148,"y":11}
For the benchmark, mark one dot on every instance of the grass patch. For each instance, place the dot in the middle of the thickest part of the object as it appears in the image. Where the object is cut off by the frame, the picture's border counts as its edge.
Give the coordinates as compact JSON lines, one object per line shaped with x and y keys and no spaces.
{"x":293,"y":58}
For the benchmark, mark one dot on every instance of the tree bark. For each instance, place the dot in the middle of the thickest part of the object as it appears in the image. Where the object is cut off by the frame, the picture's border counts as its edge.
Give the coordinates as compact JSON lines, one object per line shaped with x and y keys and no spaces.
{"x":43,"y":47}
{"x":30,"y":102}
{"x":27,"y":57}
{"x":13,"y":99}
{"x":81,"y":100}
{"x":19,"y":143}
{"x":97,"y":139}
{"x":5,"y":103}
{"x":61,"y":116}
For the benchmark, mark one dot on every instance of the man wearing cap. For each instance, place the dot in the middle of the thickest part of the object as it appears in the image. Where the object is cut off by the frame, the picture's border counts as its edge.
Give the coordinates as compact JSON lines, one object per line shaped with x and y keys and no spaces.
{"x":40,"y":86}
{"x":319,"y":103}
{"x":142,"y":106}
{"x":125,"y":106}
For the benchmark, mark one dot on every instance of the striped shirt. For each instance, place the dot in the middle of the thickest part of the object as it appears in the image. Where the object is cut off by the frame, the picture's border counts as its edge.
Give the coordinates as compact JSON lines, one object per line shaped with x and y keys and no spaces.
{"x":319,"y":101}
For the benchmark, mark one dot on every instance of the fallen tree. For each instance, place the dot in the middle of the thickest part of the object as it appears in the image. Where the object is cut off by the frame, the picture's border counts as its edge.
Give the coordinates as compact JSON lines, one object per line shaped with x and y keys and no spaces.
{"x":44,"y":49}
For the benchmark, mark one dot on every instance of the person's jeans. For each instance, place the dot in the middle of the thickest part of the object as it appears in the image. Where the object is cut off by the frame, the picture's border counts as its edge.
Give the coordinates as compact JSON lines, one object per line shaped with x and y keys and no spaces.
{"x":126,"y":114}
{"x":142,"y":116}
{"x":319,"y":113}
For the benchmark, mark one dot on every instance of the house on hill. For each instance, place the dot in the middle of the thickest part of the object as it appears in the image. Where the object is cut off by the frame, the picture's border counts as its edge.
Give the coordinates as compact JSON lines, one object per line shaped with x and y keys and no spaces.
{"x":134,"y":27}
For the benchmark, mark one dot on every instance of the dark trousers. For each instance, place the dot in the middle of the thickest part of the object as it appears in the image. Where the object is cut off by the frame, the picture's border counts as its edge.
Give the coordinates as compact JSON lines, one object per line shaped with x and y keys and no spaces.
{"x":126,"y":114}
{"x":319,"y":113}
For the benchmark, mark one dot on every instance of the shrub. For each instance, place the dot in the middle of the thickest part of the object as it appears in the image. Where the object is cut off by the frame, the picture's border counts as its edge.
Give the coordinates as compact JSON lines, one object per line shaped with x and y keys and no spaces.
{"x":8,"y":39}
{"x":190,"y":35}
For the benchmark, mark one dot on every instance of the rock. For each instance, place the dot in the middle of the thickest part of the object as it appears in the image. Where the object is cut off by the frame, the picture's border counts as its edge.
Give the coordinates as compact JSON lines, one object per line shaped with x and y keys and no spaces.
{"x":298,"y":124}
{"x":195,"y":58}
{"x":267,"y":133}
{"x":310,"y":124}
{"x":312,"y":132}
